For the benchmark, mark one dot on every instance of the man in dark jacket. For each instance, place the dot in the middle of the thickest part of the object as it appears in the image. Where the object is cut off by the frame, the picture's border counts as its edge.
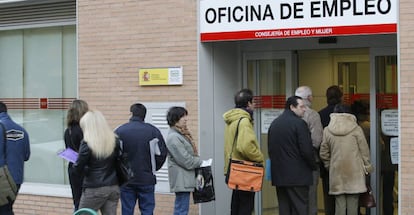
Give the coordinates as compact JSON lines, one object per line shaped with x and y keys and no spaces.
{"x":17,"y":151}
{"x":292,"y":158}
{"x":147,"y":152}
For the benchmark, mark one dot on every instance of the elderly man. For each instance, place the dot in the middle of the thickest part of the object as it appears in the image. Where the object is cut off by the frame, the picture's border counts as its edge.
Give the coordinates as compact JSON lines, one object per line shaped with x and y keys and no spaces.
{"x":313,"y":120}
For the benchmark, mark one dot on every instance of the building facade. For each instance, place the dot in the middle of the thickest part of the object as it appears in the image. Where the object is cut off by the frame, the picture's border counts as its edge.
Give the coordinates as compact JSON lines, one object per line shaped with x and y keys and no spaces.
{"x":99,"y":51}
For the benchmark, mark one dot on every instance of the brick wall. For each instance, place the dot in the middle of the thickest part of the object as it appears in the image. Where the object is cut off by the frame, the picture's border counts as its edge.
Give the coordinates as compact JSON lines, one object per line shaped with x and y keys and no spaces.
{"x":406,"y":30}
{"x":117,"y":37}
{"x":46,"y":205}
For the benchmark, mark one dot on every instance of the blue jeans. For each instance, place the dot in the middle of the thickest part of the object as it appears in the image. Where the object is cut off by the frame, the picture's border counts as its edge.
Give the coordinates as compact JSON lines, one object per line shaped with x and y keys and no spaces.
{"x":182,"y":203}
{"x":145,"y":195}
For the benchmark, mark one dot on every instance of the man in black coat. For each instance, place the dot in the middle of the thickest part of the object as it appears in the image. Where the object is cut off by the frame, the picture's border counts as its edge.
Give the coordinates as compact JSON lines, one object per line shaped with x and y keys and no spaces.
{"x":292,"y":158}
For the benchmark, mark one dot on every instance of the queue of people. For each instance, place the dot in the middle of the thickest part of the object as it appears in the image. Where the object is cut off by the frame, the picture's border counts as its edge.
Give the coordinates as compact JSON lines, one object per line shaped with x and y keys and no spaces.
{"x":94,"y":173}
{"x":302,"y":144}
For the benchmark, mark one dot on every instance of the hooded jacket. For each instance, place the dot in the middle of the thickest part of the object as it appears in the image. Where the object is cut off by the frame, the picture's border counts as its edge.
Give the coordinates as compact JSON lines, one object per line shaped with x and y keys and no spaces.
{"x":345,"y":153}
{"x":246,"y":145}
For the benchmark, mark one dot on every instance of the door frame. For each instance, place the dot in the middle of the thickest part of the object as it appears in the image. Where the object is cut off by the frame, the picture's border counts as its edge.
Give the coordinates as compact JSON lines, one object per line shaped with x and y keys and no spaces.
{"x":347,"y":58}
{"x":290,"y":84}
{"x":291,"y":80}
{"x":375,"y":151}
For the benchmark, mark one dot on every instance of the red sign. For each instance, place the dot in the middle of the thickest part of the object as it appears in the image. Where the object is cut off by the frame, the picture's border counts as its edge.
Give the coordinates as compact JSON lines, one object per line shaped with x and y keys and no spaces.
{"x":37,"y":103}
{"x":43,"y":103}
{"x":267,"y":101}
{"x":278,"y":101}
{"x":300,"y":32}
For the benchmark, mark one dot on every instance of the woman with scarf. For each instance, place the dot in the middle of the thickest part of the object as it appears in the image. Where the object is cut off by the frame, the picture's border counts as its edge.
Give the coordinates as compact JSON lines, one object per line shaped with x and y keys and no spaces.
{"x":182,"y":159}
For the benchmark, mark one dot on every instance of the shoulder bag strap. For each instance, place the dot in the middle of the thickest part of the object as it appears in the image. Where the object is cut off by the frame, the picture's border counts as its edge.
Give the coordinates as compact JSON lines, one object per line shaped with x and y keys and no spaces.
{"x":5,"y":143}
{"x":235,"y":137}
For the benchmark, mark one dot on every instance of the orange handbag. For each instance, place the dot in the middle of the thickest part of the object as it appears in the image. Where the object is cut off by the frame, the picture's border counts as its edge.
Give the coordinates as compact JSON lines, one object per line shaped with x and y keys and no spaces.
{"x":244,"y":175}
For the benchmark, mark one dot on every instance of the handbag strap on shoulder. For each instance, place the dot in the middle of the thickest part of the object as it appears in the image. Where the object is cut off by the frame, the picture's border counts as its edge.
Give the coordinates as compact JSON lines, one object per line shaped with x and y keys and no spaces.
{"x":4,"y":142}
{"x":235,"y":137}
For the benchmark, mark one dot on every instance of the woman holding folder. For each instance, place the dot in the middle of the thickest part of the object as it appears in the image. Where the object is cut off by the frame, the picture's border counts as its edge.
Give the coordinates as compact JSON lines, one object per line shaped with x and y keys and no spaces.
{"x":73,"y":137}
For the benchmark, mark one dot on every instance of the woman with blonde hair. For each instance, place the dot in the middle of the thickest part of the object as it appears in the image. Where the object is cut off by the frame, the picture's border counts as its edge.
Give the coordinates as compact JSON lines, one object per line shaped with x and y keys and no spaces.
{"x":97,"y":159}
{"x":73,"y":136}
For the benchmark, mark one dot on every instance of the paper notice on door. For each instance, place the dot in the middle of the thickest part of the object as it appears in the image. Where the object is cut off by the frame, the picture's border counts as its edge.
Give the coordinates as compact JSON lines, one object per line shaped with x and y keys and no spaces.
{"x":394,"y":150}
{"x":267,"y":117}
{"x":389,"y":122}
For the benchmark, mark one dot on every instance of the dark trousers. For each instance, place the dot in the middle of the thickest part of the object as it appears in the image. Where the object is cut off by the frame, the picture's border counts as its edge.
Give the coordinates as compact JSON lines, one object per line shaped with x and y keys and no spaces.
{"x":7,"y":209}
{"x":388,"y":192}
{"x":242,"y":202}
{"x":75,"y":181}
{"x":293,"y":200}
{"x":329,"y":200}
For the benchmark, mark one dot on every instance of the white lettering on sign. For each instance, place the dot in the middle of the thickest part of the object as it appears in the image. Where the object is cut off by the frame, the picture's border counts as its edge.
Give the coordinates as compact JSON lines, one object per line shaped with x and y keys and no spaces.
{"x":342,"y":7}
{"x":247,"y":13}
{"x":269,"y":18}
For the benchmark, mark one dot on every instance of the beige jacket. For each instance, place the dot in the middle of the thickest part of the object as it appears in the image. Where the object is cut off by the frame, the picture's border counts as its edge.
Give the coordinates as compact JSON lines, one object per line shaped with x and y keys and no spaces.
{"x":313,"y":120}
{"x":345,"y":153}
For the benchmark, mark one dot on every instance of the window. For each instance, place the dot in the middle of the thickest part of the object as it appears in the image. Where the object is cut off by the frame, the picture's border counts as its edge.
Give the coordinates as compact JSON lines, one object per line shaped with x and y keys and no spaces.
{"x":38,"y":80}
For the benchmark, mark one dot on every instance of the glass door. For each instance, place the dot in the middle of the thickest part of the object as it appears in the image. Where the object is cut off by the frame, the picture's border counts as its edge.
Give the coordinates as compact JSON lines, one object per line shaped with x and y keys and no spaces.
{"x":269,"y":76}
{"x":386,"y":131}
